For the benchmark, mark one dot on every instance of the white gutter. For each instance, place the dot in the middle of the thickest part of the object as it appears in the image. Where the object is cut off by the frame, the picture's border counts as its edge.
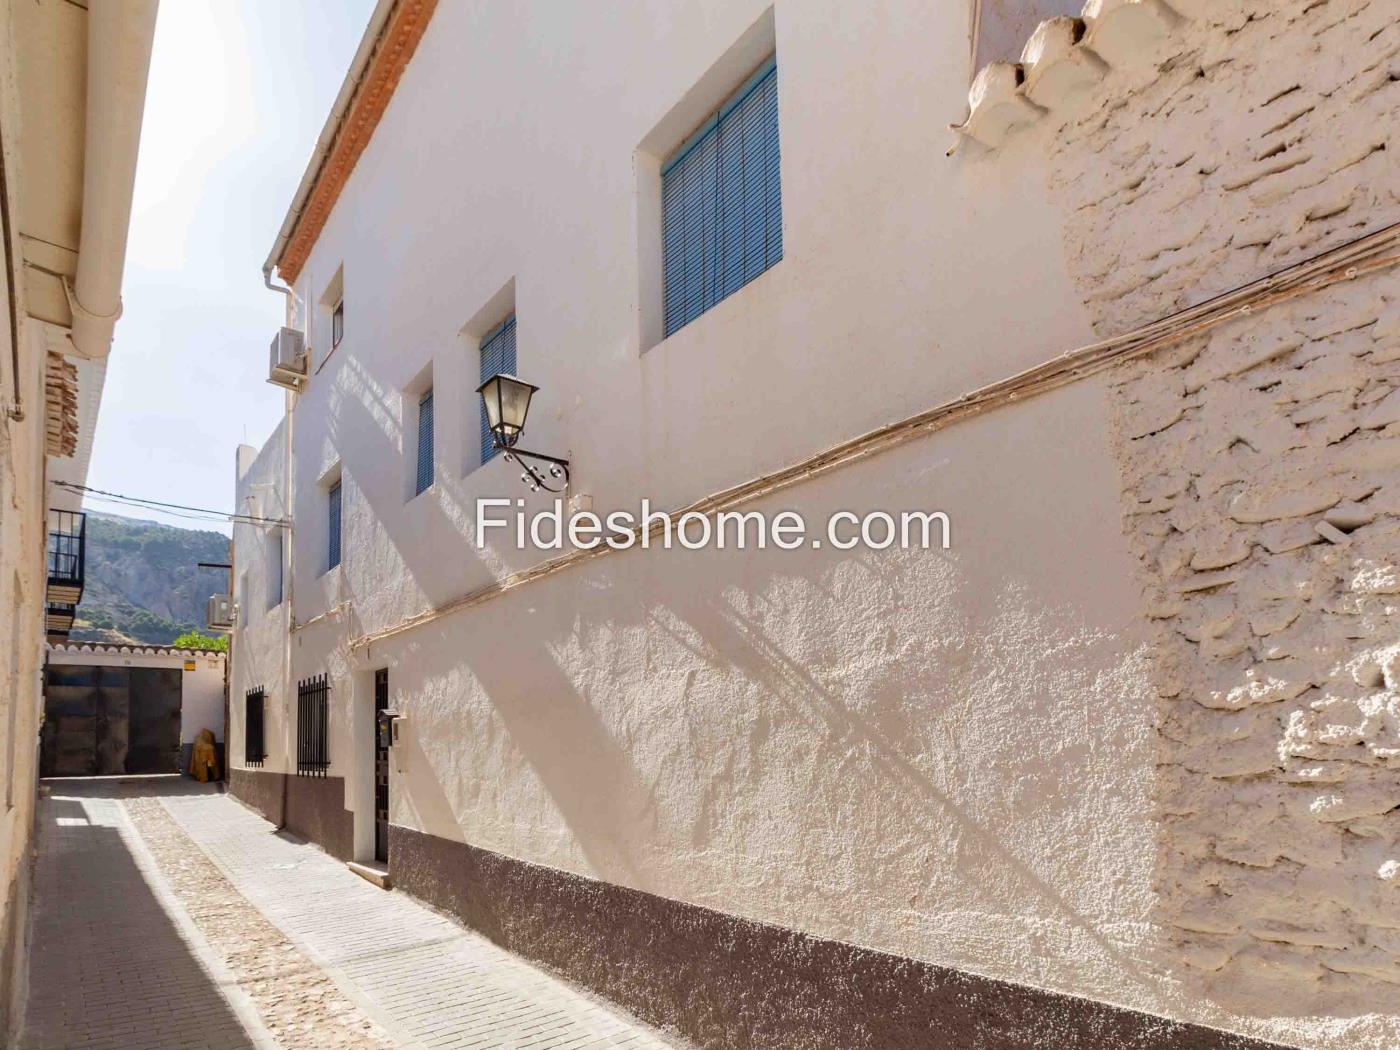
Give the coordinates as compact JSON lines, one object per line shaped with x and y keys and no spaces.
{"x":348,"y":89}
{"x":120,"y":33}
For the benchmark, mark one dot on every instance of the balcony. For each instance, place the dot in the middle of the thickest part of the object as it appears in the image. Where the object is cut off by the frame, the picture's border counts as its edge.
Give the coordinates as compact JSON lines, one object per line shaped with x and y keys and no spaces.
{"x":67,"y":558}
{"x":58,"y":621}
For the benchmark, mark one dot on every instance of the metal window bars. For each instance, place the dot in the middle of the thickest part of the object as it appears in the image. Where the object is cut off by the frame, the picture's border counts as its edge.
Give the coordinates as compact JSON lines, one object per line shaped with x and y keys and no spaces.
{"x":254,"y":739}
{"x":313,"y":717}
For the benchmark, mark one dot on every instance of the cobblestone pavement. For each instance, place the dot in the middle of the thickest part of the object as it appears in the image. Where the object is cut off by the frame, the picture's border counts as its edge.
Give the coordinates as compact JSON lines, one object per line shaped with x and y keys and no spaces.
{"x":114,"y":962}
{"x":161,"y":904}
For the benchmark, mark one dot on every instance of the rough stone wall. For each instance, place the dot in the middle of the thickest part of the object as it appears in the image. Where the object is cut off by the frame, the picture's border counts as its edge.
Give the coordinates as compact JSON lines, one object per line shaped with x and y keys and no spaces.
{"x":1261,"y":486}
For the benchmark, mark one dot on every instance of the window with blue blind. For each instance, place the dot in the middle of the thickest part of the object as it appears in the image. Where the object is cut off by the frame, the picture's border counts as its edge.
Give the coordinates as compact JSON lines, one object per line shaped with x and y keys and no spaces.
{"x":333,"y":539}
{"x":497,"y":356}
{"x":274,"y":569}
{"x":424,"y":476}
{"x":722,"y":202}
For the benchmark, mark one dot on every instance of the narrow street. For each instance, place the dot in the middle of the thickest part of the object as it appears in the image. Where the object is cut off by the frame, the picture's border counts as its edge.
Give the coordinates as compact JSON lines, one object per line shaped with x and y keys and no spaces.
{"x":167,"y":915}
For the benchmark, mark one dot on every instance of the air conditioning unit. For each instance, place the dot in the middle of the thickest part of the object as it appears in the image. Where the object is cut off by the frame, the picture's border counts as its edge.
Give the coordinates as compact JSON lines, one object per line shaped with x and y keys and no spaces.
{"x":287,"y":364}
{"x":219,"y":612}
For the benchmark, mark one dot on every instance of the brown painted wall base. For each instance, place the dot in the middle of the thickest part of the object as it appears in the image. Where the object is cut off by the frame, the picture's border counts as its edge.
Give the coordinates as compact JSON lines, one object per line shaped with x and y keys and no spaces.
{"x":258,"y":790}
{"x":315,"y":806}
{"x":731,"y":984}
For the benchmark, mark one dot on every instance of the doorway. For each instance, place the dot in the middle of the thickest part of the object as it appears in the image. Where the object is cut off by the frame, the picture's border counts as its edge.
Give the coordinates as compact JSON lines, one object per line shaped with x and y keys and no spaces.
{"x":381,"y":768}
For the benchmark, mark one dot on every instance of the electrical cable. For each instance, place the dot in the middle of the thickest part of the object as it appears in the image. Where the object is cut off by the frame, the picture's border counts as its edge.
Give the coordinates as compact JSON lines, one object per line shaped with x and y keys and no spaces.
{"x":178,"y":510}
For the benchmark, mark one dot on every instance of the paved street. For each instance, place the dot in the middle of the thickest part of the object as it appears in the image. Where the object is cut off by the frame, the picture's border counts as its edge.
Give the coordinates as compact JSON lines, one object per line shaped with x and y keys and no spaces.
{"x":168,"y":915}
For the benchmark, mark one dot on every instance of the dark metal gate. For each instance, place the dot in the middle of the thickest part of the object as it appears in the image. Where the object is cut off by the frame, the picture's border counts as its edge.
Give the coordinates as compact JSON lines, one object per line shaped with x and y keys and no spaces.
{"x":381,"y":768}
{"x":105,"y":721}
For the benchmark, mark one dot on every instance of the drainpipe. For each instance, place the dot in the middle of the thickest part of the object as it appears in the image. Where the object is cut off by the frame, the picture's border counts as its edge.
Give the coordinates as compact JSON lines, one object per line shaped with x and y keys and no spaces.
{"x":288,"y":555}
{"x":119,"y":58}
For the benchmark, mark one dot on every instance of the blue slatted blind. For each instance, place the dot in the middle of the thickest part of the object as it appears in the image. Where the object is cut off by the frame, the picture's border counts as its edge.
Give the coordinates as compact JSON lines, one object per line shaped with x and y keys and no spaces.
{"x":497,"y":355}
{"x":274,"y":569}
{"x":721,"y":202}
{"x":333,"y":539}
{"x":425,"y":442}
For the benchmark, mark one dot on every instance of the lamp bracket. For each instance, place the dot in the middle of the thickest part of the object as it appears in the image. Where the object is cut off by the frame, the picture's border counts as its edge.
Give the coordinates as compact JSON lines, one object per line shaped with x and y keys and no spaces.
{"x":533,"y":476}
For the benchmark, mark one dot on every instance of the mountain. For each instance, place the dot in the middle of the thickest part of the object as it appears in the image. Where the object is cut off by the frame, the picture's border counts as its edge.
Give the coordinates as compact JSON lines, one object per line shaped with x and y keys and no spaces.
{"x":143,"y":581}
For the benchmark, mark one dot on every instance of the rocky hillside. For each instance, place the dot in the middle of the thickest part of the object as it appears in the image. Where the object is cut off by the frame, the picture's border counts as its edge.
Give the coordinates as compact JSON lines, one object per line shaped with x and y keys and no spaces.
{"x":143,"y":581}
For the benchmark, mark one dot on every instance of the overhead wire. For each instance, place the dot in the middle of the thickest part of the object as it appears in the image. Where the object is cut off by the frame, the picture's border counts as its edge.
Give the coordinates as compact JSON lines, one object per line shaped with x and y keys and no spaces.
{"x":177,"y":510}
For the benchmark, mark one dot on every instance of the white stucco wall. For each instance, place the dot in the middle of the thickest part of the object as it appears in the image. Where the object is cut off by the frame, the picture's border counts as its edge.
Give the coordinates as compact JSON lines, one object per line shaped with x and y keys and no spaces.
{"x":946,"y":756}
{"x":258,"y":652}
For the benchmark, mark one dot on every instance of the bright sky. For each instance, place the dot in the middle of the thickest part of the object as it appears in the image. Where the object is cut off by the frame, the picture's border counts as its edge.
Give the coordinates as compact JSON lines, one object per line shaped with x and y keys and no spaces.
{"x":239,"y":91}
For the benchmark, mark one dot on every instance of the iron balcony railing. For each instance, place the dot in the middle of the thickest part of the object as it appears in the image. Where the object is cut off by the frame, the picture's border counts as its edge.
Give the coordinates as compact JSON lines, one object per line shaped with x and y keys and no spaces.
{"x":67,"y":556}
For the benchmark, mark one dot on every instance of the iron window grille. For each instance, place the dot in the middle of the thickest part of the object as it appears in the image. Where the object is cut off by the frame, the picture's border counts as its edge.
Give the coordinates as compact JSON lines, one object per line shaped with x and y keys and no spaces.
{"x":497,"y":356}
{"x":333,"y":517}
{"x":337,"y":323}
{"x":313,"y":724}
{"x":254,"y":742}
{"x":721,"y":202}
{"x":424,"y":478}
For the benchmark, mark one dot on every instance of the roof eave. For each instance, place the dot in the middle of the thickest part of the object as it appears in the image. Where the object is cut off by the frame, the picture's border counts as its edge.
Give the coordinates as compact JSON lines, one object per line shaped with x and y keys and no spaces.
{"x":369,"y":43}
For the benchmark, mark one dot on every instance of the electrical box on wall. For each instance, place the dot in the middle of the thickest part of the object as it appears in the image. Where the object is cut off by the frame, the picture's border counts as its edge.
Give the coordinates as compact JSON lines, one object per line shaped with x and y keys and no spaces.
{"x":388,"y":720}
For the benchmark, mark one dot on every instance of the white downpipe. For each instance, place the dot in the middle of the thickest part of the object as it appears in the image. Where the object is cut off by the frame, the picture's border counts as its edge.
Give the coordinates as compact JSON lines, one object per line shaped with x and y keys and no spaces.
{"x":120,"y":33}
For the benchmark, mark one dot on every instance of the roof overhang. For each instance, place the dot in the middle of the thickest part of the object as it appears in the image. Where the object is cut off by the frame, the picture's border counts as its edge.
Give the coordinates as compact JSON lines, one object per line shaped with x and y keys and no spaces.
{"x":393,"y":33}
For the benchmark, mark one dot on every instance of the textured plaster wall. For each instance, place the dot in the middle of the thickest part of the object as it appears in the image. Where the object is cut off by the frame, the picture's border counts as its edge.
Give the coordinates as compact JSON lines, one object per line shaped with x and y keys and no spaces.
{"x":1261,"y":493}
{"x":23,"y":540}
{"x":258,"y":654}
{"x":946,"y":756}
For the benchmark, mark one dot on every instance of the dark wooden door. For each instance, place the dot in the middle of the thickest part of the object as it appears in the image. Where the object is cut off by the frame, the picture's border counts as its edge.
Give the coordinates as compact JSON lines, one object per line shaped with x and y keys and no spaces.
{"x":153,"y":718}
{"x":107,"y":720}
{"x":381,"y":769}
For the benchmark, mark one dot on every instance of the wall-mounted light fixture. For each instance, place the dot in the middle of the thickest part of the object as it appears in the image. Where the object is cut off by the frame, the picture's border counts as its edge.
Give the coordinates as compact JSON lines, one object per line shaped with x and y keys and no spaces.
{"x":507,"y":402}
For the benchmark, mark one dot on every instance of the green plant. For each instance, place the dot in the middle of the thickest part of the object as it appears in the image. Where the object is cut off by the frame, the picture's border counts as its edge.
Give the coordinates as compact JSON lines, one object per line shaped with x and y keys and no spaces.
{"x":195,"y":640}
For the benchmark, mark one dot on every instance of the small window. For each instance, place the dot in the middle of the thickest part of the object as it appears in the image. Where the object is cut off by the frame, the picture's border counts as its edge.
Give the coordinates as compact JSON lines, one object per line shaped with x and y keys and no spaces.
{"x":497,"y":356}
{"x":254,"y":742}
{"x":274,"y":569}
{"x":313,"y":727}
{"x":333,"y":520}
{"x":721,"y":202}
{"x":337,"y":323}
{"x":424,"y":478}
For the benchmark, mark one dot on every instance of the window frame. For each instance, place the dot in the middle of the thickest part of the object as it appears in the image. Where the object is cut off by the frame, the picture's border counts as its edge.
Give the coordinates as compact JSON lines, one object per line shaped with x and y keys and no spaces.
{"x":255,"y":745}
{"x":723,"y":212}
{"x":335,"y":524}
{"x":424,"y":468}
{"x":276,"y":554}
{"x":508,"y":327}
{"x":337,"y":323}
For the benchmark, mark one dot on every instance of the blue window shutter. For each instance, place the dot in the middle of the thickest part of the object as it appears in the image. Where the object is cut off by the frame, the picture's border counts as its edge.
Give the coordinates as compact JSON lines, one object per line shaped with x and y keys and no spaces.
{"x":425,"y":442}
{"x":274,"y":569}
{"x":333,"y":544}
{"x":721,"y":203}
{"x":497,"y":355}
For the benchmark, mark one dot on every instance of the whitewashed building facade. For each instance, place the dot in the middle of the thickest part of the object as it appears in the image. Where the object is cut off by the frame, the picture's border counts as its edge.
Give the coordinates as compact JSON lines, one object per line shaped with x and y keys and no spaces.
{"x":72,"y":94}
{"x":1117,"y":769}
